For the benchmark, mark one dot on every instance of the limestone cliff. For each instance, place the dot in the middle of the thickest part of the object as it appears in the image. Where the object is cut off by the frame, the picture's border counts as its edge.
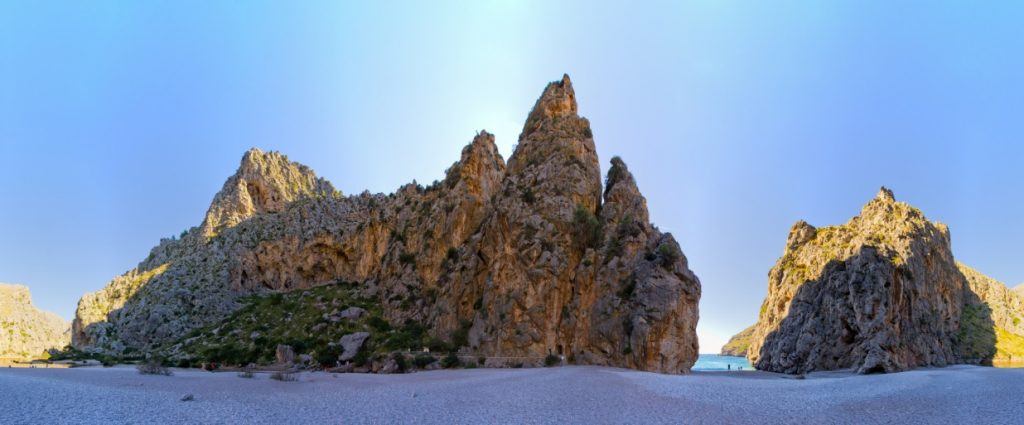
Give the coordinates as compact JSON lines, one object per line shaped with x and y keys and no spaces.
{"x":25,"y":331}
{"x":880,"y":293}
{"x":739,"y":344}
{"x":508,"y":261}
{"x":992,"y":324}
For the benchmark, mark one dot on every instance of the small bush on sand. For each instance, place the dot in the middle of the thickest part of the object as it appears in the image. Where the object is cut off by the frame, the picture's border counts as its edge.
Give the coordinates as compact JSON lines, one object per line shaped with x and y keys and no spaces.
{"x":153,"y":367}
{"x":401,"y":362}
{"x":423,"y":360}
{"x":450,"y":361}
{"x":284,"y":376}
{"x":552,"y":360}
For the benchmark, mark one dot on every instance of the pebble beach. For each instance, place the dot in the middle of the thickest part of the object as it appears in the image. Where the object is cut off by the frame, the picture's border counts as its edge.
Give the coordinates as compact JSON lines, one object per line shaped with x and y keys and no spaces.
{"x":577,"y":394}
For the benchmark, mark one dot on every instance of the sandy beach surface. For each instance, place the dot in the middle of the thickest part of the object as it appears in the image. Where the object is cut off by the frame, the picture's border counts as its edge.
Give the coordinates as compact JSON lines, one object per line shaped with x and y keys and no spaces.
{"x":953,"y":395}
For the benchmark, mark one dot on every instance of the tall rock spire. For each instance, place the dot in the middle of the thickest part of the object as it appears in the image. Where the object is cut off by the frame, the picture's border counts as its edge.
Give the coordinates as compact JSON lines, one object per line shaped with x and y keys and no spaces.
{"x":557,"y":100}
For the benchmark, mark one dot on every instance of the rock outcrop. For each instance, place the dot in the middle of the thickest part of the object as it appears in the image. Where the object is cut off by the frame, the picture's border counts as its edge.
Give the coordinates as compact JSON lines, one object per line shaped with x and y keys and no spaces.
{"x":880,"y":293}
{"x":506,"y":261}
{"x":25,"y":331}
{"x":992,"y":322}
{"x":739,"y":343}
{"x":264,"y":183}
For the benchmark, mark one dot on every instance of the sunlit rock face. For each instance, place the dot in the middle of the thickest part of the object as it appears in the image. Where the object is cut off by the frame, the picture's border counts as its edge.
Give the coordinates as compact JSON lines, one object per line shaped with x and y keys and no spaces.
{"x":739,"y":344}
{"x":880,"y":293}
{"x":25,"y":331}
{"x":529,"y":258}
{"x":264,"y":183}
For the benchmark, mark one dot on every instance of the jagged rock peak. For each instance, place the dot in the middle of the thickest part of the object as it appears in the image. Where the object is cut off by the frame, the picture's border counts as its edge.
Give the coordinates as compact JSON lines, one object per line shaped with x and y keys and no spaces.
{"x":622,"y":197}
{"x":885,"y":215}
{"x":556,"y":153}
{"x":558,"y":100}
{"x":884,"y":203}
{"x":483,"y":149}
{"x":618,"y":172}
{"x":885,"y":194}
{"x":799,"y":234}
{"x":480,"y":168}
{"x":264,"y":182}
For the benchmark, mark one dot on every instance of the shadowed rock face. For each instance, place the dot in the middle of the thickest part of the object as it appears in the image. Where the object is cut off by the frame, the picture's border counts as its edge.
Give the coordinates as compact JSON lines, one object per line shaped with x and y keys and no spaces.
{"x":992,"y":324}
{"x":25,"y":331}
{"x":880,"y":293}
{"x":530,"y":258}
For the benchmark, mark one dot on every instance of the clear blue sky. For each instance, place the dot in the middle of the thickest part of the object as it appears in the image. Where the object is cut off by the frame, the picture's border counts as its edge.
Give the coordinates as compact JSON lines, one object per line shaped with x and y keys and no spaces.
{"x":119,"y":121}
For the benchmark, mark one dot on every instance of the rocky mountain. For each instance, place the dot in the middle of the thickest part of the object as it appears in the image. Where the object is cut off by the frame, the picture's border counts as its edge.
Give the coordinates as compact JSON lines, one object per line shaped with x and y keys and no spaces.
{"x":739,"y":343}
{"x":880,"y":293}
{"x":1019,"y":289}
{"x":25,"y":331}
{"x":991,"y":322}
{"x":511,"y":262}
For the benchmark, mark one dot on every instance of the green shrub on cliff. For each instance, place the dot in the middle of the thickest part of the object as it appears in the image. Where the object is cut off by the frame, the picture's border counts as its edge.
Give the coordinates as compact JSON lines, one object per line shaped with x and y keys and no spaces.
{"x":586,"y":228}
{"x":307,"y":320}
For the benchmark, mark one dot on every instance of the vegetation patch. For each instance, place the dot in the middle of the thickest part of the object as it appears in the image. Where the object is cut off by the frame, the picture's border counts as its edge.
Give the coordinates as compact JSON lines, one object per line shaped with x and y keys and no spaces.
{"x":450,"y":361}
{"x":587,"y":229}
{"x":1008,"y":345}
{"x":307,"y":320}
{"x":552,"y":360}
{"x":977,"y":335}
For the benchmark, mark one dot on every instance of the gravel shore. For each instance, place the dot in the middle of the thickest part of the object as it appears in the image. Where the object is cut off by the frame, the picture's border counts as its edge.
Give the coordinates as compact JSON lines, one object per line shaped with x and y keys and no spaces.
{"x":953,"y":395}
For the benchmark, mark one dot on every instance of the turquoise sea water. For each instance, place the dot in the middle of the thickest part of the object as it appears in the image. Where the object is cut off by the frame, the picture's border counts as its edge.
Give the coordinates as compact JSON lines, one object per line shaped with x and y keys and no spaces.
{"x":716,"y":362}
